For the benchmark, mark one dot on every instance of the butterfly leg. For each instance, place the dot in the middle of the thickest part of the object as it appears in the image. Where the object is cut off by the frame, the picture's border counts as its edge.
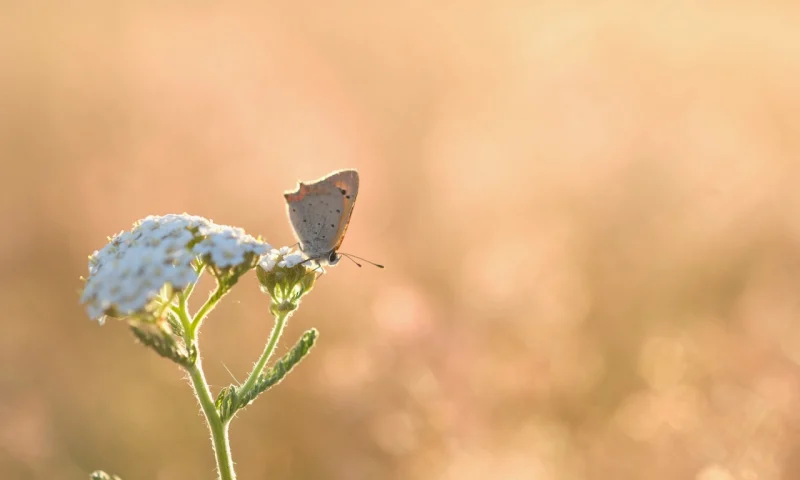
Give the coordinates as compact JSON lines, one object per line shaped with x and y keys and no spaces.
{"x":321,"y":270}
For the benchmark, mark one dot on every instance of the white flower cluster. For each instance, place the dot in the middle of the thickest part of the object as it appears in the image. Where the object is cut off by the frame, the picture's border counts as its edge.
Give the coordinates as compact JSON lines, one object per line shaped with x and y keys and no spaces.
{"x":282,"y":258}
{"x":130,"y":271}
{"x":226,"y":246}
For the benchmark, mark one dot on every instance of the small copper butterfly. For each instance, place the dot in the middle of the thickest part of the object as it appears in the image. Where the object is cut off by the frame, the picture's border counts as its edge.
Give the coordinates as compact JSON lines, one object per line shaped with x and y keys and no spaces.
{"x":320,"y":212}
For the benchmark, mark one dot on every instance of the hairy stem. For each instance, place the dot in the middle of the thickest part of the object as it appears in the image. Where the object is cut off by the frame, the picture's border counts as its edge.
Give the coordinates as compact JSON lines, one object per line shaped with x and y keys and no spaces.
{"x":219,"y":429}
{"x":210,"y":303}
{"x":277,"y":330}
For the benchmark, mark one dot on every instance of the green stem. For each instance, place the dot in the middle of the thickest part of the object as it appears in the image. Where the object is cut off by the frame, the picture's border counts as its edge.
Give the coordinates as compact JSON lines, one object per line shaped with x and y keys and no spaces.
{"x":219,"y":429}
{"x":277,"y":329}
{"x":188,"y":291}
{"x":211,"y":301}
{"x":181,"y":311}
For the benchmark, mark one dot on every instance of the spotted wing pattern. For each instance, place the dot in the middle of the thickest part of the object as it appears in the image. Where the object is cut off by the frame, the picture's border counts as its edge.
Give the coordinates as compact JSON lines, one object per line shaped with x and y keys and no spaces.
{"x":320,"y":211}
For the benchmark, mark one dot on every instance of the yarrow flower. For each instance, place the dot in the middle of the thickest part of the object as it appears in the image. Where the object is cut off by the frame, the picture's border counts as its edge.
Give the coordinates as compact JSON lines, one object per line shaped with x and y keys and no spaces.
{"x":160,"y":253}
{"x":283,"y":274}
{"x":282,"y":257}
{"x":226,"y":247}
{"x":149,"y":275}
{"x":291,"y":260}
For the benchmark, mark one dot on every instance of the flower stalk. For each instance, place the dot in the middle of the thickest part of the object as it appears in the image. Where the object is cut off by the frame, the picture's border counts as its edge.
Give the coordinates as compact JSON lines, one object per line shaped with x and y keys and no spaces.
{"x":219,"y":429}
{"x":146,"y":276}
{"x":275,"y":335}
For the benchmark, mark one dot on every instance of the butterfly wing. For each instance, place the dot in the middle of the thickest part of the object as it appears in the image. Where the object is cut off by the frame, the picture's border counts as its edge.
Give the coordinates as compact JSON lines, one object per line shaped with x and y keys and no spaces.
{"x":347,"y":183}
{"x":320,"y":211}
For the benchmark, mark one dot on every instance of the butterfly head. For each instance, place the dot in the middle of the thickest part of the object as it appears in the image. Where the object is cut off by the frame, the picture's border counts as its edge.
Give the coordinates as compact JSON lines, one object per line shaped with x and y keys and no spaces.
{"x":333,"y":257}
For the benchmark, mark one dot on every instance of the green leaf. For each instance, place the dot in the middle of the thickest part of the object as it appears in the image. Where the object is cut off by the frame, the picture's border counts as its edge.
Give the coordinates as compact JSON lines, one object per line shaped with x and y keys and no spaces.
{"x":174,"y":323}
{"x":226,"y":402}
{"x":229,"y":402}
{"x":160,"y":338}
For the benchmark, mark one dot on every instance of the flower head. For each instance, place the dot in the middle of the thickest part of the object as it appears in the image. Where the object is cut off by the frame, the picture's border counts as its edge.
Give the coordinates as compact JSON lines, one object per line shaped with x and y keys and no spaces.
{"x":226,"y":247}
{"x":285,"y":277}
{"x":291,"y":260}
{"x":142,"y":268}
{"x":282,"y":257}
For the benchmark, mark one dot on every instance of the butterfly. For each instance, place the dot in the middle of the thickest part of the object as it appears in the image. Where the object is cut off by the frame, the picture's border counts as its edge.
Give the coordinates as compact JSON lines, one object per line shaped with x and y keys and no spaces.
{"x":320,"y":213}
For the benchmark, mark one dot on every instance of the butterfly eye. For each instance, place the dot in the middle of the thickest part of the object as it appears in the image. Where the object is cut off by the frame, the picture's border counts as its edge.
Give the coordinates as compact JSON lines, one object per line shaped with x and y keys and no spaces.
{"x":333,"y":257}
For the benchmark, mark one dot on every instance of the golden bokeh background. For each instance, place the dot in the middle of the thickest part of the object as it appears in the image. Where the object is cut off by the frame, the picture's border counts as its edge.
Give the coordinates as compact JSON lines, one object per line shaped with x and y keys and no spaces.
{"x":589,"y":213}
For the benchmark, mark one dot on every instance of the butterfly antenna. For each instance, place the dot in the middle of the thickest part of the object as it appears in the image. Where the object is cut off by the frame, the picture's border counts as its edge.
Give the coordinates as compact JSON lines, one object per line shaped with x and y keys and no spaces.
{"x":351,"y":257}
{"x":348,"y":257}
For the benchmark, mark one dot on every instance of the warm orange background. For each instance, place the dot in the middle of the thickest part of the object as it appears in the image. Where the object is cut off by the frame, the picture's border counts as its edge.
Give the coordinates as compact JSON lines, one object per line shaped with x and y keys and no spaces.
{"x":589,"y":213}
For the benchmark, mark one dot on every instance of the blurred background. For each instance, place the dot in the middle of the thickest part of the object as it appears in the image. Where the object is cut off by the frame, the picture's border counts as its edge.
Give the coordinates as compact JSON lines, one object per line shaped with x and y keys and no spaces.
{"x":588,"y":212}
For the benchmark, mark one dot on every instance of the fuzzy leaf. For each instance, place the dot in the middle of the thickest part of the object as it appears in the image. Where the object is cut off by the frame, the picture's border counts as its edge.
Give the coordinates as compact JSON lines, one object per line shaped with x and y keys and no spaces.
{"x":160,"y":338}
{"x":229,"y":402}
